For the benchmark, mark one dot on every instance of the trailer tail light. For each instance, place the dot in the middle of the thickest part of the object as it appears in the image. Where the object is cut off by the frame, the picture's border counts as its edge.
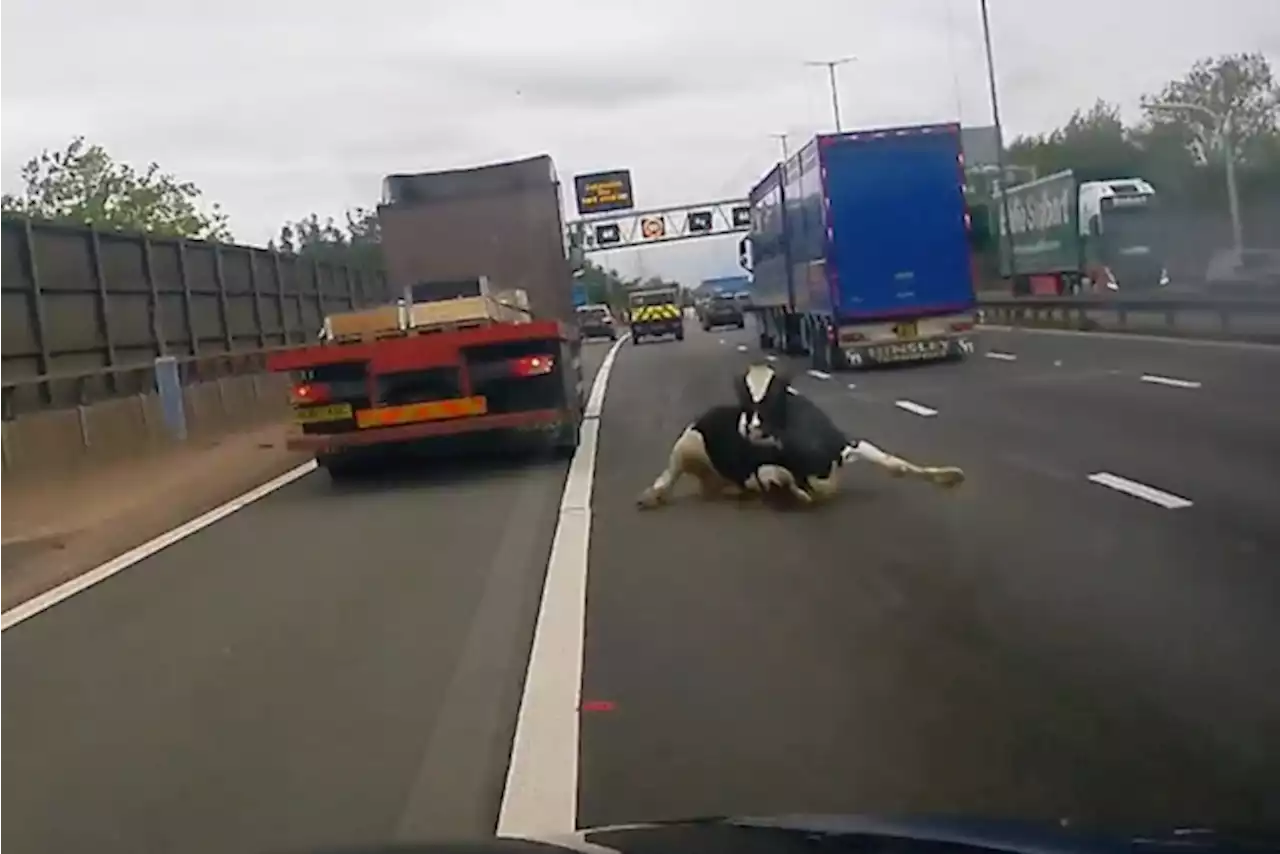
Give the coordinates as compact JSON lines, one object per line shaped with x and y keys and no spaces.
{"x":304,"y":393}
{"x":532,"y":366}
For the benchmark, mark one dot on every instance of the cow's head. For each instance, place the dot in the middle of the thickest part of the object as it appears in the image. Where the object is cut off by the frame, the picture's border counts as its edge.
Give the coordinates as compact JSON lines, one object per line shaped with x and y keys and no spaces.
{"x":762,"y":394}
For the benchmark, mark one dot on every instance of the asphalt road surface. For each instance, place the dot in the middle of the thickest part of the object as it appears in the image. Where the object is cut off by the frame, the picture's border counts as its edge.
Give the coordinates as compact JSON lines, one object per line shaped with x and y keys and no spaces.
{"x":330,"y":666}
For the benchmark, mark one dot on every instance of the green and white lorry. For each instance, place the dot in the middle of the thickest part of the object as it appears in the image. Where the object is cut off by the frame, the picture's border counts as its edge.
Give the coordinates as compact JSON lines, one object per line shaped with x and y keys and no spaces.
{"x":1071,"y":236}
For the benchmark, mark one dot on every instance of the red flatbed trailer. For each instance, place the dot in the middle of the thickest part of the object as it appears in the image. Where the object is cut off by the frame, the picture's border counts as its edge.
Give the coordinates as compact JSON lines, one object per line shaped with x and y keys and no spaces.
{"x":354,"y":400}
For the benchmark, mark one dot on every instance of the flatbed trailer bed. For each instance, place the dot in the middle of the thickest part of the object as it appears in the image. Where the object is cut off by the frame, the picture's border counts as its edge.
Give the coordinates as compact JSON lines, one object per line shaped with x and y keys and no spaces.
{"x":356,"y":400}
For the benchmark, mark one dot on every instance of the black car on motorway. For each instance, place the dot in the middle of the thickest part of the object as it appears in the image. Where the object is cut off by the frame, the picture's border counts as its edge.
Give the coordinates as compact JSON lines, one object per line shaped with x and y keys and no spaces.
{"x":722,"y":310}
{"x":596,"y":321}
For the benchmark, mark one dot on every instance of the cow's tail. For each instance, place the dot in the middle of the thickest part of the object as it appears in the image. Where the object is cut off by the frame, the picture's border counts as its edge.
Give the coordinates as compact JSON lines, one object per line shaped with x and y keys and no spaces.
{"x":898,"y":467}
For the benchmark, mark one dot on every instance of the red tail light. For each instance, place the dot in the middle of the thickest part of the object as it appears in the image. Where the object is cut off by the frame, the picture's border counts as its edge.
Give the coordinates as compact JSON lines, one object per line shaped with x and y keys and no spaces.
{"x":310,"y":393}
{"x":532,"y":366}
{"x":962,"y":326}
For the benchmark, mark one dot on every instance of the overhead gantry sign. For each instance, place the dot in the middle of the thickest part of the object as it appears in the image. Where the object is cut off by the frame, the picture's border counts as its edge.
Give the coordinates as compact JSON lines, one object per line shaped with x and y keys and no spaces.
{"x":632,"y":228}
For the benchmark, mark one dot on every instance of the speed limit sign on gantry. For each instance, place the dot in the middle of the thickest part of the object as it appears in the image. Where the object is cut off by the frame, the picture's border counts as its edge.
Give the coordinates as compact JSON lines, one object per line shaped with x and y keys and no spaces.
{"x":652,"y":227}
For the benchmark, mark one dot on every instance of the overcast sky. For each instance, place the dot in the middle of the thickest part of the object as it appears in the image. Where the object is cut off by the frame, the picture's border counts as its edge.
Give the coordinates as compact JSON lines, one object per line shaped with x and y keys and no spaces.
{"x":277,"y":108}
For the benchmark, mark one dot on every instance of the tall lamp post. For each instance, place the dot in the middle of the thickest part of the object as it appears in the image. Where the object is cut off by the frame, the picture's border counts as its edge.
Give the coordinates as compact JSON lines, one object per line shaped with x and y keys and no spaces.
{"x":1222,"y":128}
{"x":782,"y":138}
{"x":1006,"y":233}
{"x":830,"y":65}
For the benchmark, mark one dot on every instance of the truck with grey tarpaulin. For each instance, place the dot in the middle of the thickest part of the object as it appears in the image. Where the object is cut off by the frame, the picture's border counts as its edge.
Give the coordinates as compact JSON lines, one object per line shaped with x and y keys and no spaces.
{"x":1072,"y":236}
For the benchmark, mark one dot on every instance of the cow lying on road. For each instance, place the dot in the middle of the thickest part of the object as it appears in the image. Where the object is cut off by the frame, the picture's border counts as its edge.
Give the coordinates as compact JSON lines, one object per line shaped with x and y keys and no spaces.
{"x":723,"y":460}
{"x":774,"y":442}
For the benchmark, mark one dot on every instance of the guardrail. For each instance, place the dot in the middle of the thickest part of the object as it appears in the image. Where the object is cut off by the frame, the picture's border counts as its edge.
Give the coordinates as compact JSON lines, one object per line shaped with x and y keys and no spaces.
{"x":175,"y":399}
{"x":1196,"y":316}
{"x":83,"y":388}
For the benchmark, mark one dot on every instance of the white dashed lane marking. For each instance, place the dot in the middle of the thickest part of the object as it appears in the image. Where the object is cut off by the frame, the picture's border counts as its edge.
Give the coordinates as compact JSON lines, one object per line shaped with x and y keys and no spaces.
{"x":742,"y":348}
{"x":819,"y":375}
{"x":1003,"y":357}
{"x":915,"y":408}
{"x":852,"y":386}
{"x":1170,"y":381}
{"x":1140,"y":490}
{"x":771,"y":357}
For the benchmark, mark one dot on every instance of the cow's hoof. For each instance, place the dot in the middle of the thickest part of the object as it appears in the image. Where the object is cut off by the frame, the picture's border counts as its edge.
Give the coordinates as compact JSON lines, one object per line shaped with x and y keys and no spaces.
{"x":649,"y":500}
{"x":947,"y":476}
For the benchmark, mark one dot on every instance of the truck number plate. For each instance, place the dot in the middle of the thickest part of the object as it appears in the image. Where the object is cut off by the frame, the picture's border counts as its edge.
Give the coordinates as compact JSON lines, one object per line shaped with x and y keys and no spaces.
{"x":906,"y":330}
{"x":332,"y":412}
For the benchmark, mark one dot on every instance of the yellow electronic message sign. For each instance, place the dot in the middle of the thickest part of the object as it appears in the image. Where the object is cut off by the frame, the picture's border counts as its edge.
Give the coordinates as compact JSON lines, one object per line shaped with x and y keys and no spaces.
{"x":602,"y":192}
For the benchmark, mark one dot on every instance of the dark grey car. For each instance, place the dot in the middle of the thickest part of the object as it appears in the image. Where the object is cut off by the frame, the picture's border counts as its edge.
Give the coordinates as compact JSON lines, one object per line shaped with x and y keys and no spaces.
{"x":596,"y":321}
{"x":722,"y":311}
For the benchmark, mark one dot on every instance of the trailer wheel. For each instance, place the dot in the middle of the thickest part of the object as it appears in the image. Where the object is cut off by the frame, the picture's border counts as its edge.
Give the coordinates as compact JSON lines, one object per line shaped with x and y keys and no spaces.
{"x":565,"y":443}
{"x":341,"y":468}
{"x":679,"y":334}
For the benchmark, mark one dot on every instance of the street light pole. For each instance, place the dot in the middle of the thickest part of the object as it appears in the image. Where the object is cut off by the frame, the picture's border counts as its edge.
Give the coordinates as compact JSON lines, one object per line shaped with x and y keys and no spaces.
{"x":830,"y":65}
{"x":782,"y":138}
{"x":1233,"y":193}
{"x":1224,"y":129}
{"x":1006,"y":233}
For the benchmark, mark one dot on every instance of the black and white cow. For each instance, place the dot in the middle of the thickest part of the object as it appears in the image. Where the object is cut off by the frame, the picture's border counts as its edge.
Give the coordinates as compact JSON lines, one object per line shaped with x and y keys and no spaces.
{"x":811,"y":447}
{"x":774,"y":442}
{"x":717,"y":452}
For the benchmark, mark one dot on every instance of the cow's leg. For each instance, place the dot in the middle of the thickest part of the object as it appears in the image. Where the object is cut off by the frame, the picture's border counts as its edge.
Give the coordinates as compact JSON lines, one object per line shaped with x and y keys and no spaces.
{"x":688,"y":456}
{"x":768,"y":478}
{"x":898,"y":467}
{"x":825,"y":488}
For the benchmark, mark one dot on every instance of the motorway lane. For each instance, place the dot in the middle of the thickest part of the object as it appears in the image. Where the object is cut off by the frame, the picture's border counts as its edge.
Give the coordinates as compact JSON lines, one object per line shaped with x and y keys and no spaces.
{"x":903,"y":649}
{"x":1189,"y":610}
{"x":297,"y":675}
{"x":1033,"y":644}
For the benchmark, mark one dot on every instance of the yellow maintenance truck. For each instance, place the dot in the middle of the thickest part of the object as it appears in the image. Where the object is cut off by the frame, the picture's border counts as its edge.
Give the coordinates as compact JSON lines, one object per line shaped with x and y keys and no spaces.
{"x":655,"y":313}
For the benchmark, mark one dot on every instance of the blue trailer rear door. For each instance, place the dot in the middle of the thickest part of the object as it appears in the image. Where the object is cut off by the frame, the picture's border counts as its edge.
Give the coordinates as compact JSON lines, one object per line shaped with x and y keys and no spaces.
{"x":899,"y":239}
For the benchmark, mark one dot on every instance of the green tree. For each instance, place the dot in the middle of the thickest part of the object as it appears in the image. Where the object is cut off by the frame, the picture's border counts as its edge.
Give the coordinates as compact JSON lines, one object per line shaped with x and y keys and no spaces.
{"x":83,"y":184}
{"x":1094,"y":142}
{"x":1177,"y":149}
{"x":602,"y":285}
{"x":1241,"y":85}
{"x":357,"y":241}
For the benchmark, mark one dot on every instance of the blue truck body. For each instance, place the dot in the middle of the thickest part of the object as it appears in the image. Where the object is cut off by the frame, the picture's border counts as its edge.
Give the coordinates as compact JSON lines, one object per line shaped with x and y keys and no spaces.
{"x":860,"y":250}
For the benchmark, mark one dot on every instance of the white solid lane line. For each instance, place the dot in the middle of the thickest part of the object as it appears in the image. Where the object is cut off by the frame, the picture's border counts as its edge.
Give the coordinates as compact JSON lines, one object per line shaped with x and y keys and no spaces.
{"x":818,"y":375}
{"x":915,"y":408}
{"x":1140,"y":490}
{"x":1156,"y":379}
{"x":1004,"y":357}
{"x":541,"y":790}
{"x":65,"y":591}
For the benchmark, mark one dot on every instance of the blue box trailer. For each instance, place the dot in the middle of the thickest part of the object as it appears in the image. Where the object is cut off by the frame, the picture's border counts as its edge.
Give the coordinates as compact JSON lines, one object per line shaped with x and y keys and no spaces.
{"x":859,"y":249}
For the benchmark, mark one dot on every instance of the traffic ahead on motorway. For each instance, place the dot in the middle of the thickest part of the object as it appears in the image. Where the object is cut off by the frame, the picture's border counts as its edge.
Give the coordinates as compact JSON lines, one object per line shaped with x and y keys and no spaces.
{"x":1083,"y":636}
